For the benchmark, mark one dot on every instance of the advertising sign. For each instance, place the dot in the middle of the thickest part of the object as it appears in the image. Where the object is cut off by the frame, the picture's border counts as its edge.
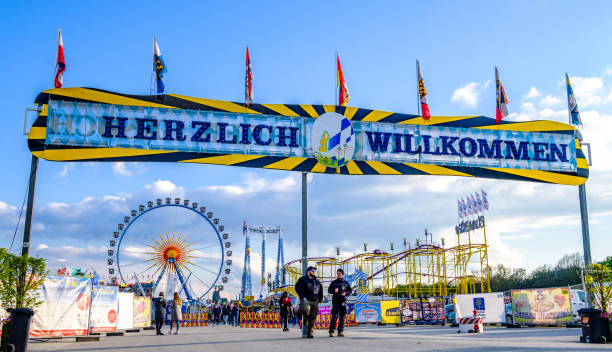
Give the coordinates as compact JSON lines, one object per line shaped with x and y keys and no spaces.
{"x":367,"y":312}
{"x":428,"y":310}
{"x":65,"y":307}
{"x":142,"y":311}
{"x":125,"y":319}
{"x":489,"y":306}
{"x":411,"y":310}
{"x":433,"y":309}
{"x":390,"y":312}
{"x":104,"y":309}
{"x":83,"y":124}
{"x":542,"y":305}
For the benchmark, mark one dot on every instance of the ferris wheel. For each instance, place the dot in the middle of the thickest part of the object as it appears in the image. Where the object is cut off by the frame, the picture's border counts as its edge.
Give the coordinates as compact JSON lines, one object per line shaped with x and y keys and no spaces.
{"x":171,"y":239}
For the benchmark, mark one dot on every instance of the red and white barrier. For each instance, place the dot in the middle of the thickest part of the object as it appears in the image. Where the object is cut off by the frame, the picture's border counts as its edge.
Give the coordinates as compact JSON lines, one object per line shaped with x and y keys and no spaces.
{"x":470,"y":324}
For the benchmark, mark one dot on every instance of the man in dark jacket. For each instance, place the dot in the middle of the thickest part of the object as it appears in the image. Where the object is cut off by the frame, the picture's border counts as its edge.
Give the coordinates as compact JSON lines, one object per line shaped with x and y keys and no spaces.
{"x":310,"y":291}
{"x":339,"y":289}
{"x":160,"y":312}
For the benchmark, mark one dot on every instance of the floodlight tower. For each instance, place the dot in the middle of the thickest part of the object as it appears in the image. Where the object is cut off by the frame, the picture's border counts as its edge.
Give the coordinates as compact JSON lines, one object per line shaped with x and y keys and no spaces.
{"x":246,"y":288}
{"x":280,"y":260}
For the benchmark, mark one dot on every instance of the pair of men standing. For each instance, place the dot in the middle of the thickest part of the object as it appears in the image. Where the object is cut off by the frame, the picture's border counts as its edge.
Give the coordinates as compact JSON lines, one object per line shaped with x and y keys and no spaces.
{"x":310,"y":291}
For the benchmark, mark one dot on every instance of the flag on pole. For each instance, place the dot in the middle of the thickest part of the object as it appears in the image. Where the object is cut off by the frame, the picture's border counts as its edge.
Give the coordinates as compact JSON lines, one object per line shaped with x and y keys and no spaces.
{"x":479,"y":202}
{"x":244,"y":228}
{"x":60,"y":64}
{"x":459,"y":212}
{"x":501,"y":109}
{"x":422,"y":94}
{"x":470,"y":208}
{"x":248,"y":81}
{"x":159,"y":67}
{"x":343,"y":93}
{"x":574,"y":114}
{"x":485,"y":202}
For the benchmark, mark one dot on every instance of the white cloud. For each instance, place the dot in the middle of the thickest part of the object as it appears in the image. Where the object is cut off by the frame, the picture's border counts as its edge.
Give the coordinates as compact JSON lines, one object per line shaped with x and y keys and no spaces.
{"x":255,"y":184}
{"x":467,"y":95}
{"x":165,"y":187}
{"x":66,"y":169}
{"x":121,"y":168}
{"x":533,"y":93}
{"x":549,"y":101}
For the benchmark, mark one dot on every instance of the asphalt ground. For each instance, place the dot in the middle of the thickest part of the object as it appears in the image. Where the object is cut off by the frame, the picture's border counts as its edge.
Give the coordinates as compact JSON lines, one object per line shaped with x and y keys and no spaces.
{"x":363,"y":338}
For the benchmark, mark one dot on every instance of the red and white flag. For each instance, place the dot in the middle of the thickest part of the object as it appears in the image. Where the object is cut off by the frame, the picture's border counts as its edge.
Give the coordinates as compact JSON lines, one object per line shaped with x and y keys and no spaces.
{"x":60,"y":65}
{"x":248,"y":81}
{"x":501,"y":108}
{"x":422,"y":95}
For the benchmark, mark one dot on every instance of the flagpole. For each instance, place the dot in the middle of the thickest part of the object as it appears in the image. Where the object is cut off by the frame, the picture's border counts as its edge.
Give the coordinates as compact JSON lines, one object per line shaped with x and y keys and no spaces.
{"x":569,"y":113}
{"x":153,"y":58}
{"x":336,"y":82}
{"x":59,"y":33}
{"x":418,"y":93}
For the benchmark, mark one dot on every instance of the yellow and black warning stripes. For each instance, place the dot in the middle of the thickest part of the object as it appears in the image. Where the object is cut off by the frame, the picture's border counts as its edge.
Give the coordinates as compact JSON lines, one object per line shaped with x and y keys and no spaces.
{"x":36,"y":138}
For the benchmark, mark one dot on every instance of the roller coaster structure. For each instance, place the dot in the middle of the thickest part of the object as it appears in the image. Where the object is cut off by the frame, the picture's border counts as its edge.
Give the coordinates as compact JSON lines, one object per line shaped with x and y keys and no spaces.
{"x":427,"y":269}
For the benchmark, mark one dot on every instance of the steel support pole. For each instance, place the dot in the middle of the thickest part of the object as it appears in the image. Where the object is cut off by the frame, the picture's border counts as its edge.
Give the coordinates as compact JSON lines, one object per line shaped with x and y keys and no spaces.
{"x":27,"y":226}
{"x":304,"y":222}
{"x":584,"y":215}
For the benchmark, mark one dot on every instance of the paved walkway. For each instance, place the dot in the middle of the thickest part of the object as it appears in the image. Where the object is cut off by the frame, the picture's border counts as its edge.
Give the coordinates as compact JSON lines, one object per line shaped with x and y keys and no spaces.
{"x":364,"y":338}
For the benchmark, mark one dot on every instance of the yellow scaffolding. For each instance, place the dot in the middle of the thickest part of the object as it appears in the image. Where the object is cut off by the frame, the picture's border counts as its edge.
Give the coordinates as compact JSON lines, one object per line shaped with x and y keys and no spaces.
{"x":427,"y":269}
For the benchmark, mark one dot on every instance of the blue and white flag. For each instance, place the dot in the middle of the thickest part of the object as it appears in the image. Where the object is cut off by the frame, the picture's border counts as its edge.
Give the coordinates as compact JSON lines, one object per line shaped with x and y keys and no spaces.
{"x":571,"y":104}
{"x":159,"y":67}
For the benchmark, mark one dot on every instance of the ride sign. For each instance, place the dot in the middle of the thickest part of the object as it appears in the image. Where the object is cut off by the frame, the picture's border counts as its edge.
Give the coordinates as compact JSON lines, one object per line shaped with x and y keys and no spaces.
{"x":84,"y":124}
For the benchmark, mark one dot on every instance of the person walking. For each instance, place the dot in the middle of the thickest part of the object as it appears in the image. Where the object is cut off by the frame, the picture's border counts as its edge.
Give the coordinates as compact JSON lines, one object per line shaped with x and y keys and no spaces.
{"x":339,"y":289}
{"x":310,"y":291}
{"x":235,"y":313}
{"x":226,"y":310}
{"x":160,"y":313}
{"x":176,"y":315}
{"x":285,"y":309}
{"x":216,"y":314}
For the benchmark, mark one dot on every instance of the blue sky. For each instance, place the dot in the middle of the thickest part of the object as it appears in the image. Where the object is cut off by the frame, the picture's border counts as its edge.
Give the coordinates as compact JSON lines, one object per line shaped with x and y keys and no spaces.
{"x":292,"y":45}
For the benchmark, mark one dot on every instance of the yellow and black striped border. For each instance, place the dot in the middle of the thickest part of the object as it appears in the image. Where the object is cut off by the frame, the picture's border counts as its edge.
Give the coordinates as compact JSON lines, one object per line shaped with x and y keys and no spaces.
{"x":36,"y":138}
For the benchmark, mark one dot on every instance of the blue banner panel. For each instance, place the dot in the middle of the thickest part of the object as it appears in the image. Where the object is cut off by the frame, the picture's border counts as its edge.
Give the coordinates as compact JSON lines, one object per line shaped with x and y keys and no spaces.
{"x":331,"y":138}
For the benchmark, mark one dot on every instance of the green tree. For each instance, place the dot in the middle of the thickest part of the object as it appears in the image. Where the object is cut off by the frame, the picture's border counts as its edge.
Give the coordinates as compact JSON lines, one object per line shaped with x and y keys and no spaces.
{"x":598,"y":283}
{"x":20,"y":277}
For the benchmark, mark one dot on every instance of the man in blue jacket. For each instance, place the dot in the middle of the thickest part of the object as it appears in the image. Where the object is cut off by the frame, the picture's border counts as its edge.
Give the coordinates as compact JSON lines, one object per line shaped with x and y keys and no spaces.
{"x":310,"y":291}
{"x":339,"y":289}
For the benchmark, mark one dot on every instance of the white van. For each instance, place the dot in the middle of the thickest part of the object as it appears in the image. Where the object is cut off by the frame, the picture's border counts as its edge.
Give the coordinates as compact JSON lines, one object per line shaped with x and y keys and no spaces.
{"x":578,"y":299}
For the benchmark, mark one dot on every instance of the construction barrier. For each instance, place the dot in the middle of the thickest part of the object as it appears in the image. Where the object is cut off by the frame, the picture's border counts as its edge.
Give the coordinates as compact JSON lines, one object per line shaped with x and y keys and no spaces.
{"x":195,"y":319}
{"x":471,"y":324}
{"x":271,"y":320}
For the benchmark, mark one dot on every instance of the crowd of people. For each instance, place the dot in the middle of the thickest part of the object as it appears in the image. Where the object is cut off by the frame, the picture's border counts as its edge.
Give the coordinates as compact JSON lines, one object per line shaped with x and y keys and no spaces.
{"x":304,"y":314}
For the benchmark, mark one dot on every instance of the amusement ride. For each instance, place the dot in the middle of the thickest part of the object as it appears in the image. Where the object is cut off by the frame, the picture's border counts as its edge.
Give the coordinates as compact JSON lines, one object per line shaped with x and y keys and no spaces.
{"x":194,"y":258}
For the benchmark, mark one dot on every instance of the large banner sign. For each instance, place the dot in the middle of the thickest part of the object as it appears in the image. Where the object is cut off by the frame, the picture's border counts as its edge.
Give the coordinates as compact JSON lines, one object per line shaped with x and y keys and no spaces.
{"x":390,"y":312}
{"x":489,"y":306}
{"x":65,"y":307}
{"x":125,"y":319}
{"x":104,"y":309}
{"x":78,"y":124}
{"x":411,"y":310}
{"x":368,"y":312}
{"x":428,"y":310}
{"x":142,"y":312}
{"x":542,"y":305}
